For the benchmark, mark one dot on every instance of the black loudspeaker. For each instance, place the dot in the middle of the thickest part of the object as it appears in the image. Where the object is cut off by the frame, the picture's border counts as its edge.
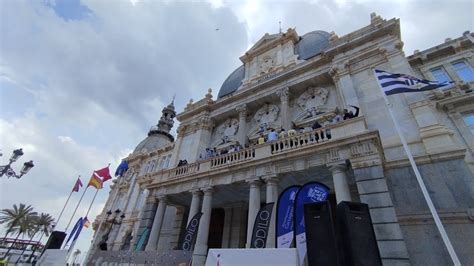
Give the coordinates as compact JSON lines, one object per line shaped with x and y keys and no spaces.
{"x":55,"y":240}
{"x":356,"y":236}
{"x":320,"y":236}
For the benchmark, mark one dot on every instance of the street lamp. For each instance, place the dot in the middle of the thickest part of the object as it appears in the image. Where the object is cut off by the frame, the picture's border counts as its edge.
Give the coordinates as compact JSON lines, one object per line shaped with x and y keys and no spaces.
{"x":115,"y":220}
{"x":8,"y":170}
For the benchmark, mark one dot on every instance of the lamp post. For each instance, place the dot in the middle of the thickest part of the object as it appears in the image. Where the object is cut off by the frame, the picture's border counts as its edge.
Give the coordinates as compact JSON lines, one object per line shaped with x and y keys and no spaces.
{"x":115,"y":220}
{"x":8,"y":170}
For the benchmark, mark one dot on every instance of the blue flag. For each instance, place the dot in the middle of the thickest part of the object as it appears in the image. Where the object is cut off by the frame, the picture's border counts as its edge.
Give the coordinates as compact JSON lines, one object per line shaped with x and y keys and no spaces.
{"x":122,"y":168}
{"x":285,"y":228}
{"x":75,"y":231}
{"x":310,"y":192}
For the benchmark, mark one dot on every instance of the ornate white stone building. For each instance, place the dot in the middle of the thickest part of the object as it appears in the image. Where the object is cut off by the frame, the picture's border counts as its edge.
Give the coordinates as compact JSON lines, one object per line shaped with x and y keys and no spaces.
{"x":289,"y":80}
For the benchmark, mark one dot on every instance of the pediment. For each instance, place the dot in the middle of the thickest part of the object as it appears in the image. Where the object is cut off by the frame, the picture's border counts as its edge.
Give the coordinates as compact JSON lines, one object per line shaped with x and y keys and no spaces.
{"x":268,"y":42}
{"x":267,"y":38}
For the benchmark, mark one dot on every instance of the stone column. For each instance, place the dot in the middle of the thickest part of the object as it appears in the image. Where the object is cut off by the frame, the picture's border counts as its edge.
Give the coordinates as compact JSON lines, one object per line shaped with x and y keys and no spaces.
{"x":284,"y":95}
{"x":254,"y":207}
{"x":200,"y":250}
{"x":272,"y":196}
{"x":242,"y":133}
{"x":195,"y":202}
{"x":341,"y":185}
{"x":157,"y":223}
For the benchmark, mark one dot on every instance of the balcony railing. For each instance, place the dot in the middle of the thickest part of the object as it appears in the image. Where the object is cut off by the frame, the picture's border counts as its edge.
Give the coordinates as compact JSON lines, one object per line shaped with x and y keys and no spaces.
{"x":233,"y":158}
{"x":316,"y":137}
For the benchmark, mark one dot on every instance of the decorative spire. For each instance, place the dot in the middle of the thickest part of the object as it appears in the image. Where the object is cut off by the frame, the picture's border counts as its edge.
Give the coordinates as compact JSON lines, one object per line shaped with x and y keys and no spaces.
{"x":166,"y":121}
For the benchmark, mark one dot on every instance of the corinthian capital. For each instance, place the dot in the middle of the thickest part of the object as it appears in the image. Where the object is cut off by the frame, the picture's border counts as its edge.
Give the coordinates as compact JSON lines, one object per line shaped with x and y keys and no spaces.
{"x":284,"y":94}
{"x":241,"y":109}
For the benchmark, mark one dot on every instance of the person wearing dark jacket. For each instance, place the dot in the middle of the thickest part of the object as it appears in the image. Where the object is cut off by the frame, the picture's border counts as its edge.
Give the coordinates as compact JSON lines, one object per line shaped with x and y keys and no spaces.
{"x":350,"y":114}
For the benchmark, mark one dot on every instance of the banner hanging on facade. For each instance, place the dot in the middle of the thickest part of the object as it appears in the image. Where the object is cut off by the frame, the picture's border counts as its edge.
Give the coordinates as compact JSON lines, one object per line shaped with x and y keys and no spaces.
{"x":141,"y":240}
{"x":285,"y":229}
{"x":310,"y":192}
{"x":261,"y":225}
{"x":191,"y":231}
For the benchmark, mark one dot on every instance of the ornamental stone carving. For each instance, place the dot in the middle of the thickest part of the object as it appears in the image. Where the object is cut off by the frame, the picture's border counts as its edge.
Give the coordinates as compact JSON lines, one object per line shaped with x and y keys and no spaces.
{"x":267,"y":114}
{"x":312,"y":100}
{"x":267,"y":64}
{"x":226,"y":132}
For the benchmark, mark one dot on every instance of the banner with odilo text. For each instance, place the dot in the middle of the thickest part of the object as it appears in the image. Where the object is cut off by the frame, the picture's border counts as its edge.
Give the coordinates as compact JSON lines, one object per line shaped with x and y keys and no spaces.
{"x":285,"y":229}
{"x":309,"y":193}
{"x":261,"y":225}
{"x":191,"y":232}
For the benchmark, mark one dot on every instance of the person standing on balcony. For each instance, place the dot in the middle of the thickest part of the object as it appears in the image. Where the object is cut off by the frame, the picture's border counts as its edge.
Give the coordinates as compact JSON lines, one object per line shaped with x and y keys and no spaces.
{"x":261,"y":139}
{"x":272,"y":135}
{"x":350,"y":114}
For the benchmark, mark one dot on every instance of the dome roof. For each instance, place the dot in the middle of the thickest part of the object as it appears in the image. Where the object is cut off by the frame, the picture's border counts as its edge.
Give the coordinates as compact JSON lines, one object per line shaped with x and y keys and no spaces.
{"x":152,"y":142}
{"x":233,"y":82}
{"x":312,"y":44}
{"x":309,"y":45}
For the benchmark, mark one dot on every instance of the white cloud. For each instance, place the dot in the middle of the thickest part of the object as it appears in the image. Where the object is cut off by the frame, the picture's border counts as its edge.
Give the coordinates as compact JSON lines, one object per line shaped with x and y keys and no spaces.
{"x":79,"y":94}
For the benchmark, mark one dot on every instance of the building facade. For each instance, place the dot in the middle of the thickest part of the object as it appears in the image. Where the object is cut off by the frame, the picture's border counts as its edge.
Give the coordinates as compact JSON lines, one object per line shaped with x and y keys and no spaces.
{"x":290,"y":81}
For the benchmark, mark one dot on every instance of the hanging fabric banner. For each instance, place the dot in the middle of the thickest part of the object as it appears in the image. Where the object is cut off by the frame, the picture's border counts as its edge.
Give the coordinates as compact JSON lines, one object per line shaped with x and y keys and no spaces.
{"x":261,"y":225}
{"x":310,"y":192}
{"x":141,"y":240}
{"x":75,"y":230}
{"x":191,"y":231}
{"x":285,"y":229}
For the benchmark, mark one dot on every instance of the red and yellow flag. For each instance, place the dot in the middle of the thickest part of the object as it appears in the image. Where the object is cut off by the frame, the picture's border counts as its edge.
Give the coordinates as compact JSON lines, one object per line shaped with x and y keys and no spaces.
{"x":95,"y":181}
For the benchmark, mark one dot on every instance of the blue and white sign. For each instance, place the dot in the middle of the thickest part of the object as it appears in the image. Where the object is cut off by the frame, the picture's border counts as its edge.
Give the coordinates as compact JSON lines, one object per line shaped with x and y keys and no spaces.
{"x":309,"y":193}
{"x":285,"y":229}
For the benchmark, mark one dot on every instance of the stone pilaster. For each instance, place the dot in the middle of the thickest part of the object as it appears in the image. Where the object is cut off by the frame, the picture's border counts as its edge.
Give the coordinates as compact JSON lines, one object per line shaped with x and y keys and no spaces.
{"x":254,"y":207}
{"x":200,"y":250}
{"x":157,"y":223}
{"x":242,"y":133}
{"x":284,"y":95}
{"x":344,"y":85}
{"x":373,"y":190}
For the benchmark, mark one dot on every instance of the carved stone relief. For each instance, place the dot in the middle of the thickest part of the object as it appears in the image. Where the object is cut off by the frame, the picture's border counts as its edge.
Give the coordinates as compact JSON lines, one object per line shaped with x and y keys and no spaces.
{"x":312,"y":100}
{"x":267,"y":64}
{"x":226,"y":132}
{"x":267,"y":114}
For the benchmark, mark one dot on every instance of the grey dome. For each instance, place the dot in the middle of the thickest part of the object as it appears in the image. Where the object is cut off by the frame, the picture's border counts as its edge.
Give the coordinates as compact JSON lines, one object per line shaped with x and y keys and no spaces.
{"x":312,"y":44}
{"x":309,"y":45}
{"x":152,"y":142}
{"x":233,"y":82}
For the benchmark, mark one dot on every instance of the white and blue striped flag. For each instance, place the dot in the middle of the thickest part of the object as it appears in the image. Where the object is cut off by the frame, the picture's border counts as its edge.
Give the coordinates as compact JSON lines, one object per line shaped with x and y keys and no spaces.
{"x":400,"y":83}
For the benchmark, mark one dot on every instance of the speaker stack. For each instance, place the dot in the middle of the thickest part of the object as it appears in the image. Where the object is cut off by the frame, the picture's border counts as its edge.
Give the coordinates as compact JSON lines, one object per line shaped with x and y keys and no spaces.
{"x":353,"y":240}
{"x":55,"y":240}
{"x":320,"y":234}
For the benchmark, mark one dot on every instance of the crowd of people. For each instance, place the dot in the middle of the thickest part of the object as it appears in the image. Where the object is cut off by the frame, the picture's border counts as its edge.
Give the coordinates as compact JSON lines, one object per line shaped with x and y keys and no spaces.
{"x":272,"y":135}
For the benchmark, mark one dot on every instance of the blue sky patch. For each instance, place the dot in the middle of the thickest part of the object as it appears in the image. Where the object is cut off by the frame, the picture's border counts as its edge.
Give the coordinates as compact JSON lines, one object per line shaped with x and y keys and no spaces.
{"x":70,"y":9}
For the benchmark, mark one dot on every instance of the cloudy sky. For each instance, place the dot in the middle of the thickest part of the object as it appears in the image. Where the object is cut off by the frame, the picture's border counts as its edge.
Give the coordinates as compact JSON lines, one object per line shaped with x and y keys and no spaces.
{"x":81,"y":82}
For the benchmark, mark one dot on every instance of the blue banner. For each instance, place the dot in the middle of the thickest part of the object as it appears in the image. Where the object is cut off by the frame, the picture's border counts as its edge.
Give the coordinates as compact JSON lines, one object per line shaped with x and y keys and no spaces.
{"x":310,"y":192}
{"x":285,"y":229}
{"x":77,"y":230}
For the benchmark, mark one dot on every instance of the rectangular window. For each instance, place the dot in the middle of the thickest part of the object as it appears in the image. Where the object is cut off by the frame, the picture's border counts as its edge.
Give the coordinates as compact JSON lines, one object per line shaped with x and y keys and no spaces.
{"x":440,"y":75}
{"x":469,"y":121}
{"x":464,"y":71}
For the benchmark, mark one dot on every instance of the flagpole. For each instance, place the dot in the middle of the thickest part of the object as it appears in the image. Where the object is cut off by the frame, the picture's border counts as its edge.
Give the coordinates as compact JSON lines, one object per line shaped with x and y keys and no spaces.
{"x":90,"y":206}
{"x":421,"y":183}
{"x":77,"y":206}
{"x":57,"y":222}
{"x":70,"y":194}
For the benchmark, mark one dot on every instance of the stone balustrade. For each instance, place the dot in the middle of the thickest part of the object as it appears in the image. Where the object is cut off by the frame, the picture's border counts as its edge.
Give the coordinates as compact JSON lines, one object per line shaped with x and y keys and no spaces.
{"x":233,"y":158}
{"x":329,"y":133}
{"x":184,"y":170}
